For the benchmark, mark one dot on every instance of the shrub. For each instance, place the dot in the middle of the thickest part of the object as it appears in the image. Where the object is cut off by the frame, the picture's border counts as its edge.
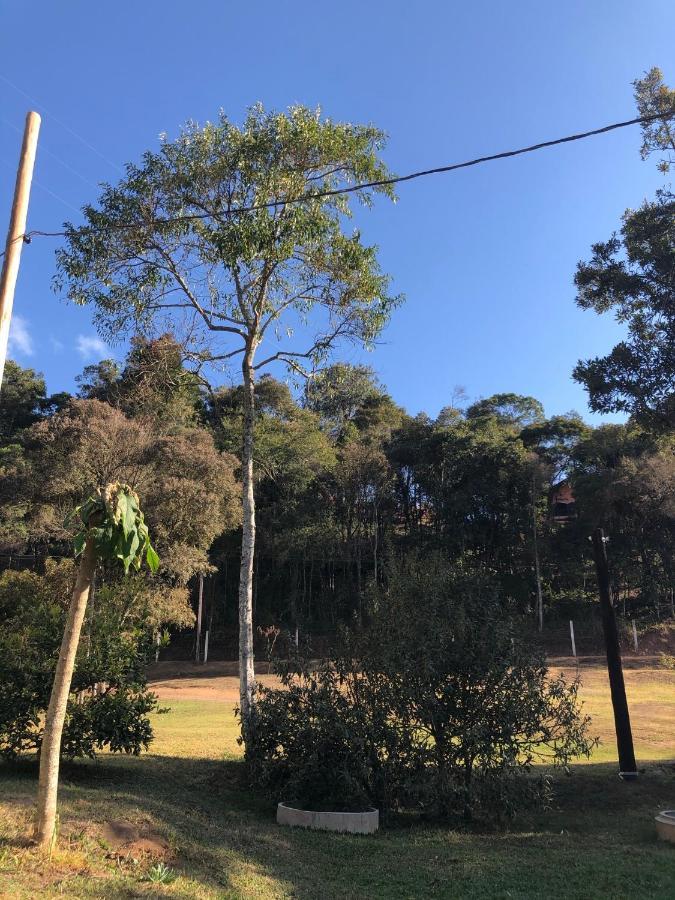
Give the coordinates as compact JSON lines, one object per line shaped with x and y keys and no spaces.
{"x":437,"y":706}
{"x":109,"y":702}
{"x":310,"y":743}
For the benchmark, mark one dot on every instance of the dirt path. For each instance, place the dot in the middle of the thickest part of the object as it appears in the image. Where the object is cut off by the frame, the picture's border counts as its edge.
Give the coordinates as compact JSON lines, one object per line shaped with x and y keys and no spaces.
{"x":178,"y":680}
{"x":190,"y":681}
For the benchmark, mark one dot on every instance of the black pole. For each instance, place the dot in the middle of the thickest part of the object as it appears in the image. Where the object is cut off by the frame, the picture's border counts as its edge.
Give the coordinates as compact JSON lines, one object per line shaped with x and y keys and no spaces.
{"x":624,"y":736}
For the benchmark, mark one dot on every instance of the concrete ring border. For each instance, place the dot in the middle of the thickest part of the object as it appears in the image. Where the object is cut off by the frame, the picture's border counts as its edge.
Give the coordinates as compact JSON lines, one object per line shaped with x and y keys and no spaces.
{"x":365,"y":822}
{"x":665,"y":825}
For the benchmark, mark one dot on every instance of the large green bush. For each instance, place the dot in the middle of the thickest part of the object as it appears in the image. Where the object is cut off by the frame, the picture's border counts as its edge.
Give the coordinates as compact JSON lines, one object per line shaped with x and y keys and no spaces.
{"x":437,"y":706}
{"x":109,"y":702}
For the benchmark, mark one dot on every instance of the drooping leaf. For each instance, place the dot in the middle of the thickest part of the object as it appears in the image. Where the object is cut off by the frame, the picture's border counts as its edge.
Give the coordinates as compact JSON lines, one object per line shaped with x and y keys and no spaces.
{"x":123,"y":536}
{"x":79,"y":542}
{"x":151,"y":558}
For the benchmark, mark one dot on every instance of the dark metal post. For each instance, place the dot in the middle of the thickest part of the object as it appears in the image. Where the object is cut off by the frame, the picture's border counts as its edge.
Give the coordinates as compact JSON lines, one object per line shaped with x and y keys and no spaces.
{"x":624,"y":736}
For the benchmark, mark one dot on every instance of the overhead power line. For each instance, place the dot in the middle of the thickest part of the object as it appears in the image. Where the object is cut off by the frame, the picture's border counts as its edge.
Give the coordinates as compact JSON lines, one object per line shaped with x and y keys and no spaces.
{"x":383,"y":182}
{"x":63,"y":125}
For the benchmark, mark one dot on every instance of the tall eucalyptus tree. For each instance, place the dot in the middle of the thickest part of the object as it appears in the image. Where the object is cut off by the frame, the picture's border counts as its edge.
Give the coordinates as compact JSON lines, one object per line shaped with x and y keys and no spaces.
{"x":233,"y":237}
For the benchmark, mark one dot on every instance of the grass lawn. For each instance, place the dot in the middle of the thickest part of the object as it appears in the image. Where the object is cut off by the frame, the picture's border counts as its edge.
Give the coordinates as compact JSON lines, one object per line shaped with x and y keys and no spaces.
{"x":186,"y":802}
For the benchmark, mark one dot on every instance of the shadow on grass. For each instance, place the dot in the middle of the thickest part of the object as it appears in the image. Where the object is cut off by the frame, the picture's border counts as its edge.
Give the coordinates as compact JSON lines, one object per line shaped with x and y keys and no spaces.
{"x":225,"y":839}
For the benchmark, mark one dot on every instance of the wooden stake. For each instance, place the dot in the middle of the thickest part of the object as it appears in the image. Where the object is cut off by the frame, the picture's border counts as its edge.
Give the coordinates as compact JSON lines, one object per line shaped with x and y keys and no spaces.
{"x":624,"y":735}
{"x":635,"y":640}
{"x":206,"y":646}
{"x":16,"y":231}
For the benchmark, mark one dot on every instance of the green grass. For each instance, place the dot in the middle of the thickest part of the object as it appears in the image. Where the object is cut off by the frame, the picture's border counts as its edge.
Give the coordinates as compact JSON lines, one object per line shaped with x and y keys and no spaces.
{"x":598,"y":841}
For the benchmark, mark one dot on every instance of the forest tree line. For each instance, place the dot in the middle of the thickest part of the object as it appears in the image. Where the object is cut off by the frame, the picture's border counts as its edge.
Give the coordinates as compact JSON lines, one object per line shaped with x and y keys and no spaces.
{"x":347,"y":481}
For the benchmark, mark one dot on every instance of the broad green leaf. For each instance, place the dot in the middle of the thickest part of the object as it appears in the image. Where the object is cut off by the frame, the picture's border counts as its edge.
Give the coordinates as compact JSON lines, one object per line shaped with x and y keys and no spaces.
{"x":123,"y":536}
{"x":151,"y":558}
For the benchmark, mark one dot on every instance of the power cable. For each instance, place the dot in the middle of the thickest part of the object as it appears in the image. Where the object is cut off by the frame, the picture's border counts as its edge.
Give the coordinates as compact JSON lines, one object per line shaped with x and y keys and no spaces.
{"x":45,"y":149}
{"x":383,"y":182}
{"x":62,"y":124}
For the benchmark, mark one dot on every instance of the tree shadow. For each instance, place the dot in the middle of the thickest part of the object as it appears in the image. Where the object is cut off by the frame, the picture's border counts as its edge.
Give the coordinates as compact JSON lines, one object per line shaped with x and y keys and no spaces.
{"x":224,"y":836}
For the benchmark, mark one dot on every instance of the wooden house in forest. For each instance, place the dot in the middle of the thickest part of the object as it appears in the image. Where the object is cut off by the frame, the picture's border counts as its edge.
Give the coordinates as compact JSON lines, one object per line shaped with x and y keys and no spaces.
{"x":563,"y":504}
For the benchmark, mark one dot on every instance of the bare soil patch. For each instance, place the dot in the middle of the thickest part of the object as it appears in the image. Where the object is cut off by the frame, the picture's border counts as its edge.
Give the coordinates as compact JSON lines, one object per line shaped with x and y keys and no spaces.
{"x":129,"y":841}
{"x":173,"y":680}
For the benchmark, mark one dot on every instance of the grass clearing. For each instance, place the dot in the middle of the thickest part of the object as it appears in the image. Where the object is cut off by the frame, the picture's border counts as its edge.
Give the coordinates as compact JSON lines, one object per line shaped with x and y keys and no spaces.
{"x":185,"y":805}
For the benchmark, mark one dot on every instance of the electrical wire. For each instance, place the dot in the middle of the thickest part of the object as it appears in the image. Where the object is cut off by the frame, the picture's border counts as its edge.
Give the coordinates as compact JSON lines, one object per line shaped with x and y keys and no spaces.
{"x":362,"y":186}
{"x":45,"y":149}
{"x":63,"y":125}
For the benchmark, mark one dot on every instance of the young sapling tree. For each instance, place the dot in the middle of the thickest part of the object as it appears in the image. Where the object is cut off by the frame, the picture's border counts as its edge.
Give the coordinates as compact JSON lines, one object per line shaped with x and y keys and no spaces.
{"x":113,"y":531}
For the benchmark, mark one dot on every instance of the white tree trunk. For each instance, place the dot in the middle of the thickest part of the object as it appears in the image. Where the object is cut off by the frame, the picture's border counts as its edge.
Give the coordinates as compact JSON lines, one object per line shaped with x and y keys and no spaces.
{"x":246,"y":668}
{"x":50,"y":752}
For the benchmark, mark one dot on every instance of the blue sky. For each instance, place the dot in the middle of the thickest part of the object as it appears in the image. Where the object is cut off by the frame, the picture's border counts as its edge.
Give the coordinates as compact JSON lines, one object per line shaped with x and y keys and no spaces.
{"x":485,"y":256}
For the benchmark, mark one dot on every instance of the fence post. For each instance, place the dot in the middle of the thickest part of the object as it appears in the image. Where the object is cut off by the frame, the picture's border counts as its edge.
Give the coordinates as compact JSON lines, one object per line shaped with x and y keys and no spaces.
{"x":574,"y":646}
{"x":206,"y":646}
{"x":635,"y":640}
{"x":200,"y":603}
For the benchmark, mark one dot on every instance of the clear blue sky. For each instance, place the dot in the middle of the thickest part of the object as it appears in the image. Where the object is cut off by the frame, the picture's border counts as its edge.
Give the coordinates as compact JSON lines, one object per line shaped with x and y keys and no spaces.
{"x":485,"y":257}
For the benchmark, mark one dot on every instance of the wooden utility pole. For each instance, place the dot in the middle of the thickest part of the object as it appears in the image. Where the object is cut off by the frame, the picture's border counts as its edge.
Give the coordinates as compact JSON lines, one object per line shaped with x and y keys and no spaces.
{"x":624,"y":736}
{"x":16,"y":232}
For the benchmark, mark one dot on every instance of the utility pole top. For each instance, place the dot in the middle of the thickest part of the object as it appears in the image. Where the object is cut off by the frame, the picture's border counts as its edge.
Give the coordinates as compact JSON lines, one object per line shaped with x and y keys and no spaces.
{"x":17,"y":231}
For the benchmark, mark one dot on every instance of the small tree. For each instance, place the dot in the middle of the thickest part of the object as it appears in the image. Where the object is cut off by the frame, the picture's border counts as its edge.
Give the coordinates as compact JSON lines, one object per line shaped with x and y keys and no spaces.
{"x":234,"y":236}
{"x":114,"y":531}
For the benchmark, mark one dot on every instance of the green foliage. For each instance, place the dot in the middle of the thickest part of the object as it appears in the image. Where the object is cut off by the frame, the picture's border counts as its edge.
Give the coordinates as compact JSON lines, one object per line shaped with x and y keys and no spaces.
{"x":100,"y":381}
{"x":109,"y":701}
{"x":114,"y":520}
{"x":653,"y":97}
{"x":289,"y":447}
{"x":438,"y":706}
{"x":312,"y":745}
{"x":23,"y":394}
{"x":24,"y":401}
{"x":153,"y":384}
{"x":625,"y":480}
{"x":632,"y":275}
{"x":160,"y":874}
{"x":509,"y":409}
{"x":116,"y":720}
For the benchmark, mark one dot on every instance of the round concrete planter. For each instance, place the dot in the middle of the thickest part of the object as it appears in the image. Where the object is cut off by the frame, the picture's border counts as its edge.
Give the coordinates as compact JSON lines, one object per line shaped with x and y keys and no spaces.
{"x":355,"y":822}
{"x":665,"y":825}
